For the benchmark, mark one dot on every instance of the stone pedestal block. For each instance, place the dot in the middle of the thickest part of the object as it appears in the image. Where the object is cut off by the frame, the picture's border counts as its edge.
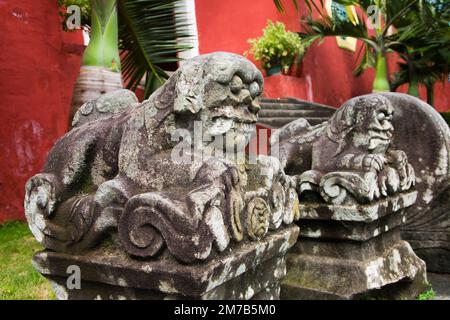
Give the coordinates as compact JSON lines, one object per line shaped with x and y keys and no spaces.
{"x":249,"y":271}
{"x":354,"y":252}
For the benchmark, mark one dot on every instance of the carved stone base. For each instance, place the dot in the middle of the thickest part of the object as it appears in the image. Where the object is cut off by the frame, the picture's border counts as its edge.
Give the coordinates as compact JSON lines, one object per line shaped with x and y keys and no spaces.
{"x":384,"y":267}
{"x":346,"y":254}
{"x":359,"y":222}
{"x":250,"y":270}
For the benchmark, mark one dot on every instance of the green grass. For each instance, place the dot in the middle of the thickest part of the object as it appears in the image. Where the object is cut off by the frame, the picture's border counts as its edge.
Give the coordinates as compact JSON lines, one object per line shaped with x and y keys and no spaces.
{"x":427,"y":295}
{"x":18,"y":278}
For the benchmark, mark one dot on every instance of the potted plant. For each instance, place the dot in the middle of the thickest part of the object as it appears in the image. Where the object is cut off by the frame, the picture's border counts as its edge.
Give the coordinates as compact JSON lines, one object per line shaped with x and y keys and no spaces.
{"x":276,"y":49}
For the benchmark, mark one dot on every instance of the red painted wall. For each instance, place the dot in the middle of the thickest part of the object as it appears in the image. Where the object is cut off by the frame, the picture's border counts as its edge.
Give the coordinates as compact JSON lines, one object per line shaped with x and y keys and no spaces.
{"x":325,"y":75}
{"x":38,"y":66}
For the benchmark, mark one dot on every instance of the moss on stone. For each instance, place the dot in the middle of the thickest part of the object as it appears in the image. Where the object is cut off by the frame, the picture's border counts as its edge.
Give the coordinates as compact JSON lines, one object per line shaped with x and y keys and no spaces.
{"x":427,"y":295}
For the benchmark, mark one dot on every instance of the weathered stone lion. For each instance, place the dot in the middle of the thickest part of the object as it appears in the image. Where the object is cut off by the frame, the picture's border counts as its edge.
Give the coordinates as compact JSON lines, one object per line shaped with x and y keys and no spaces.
{"x":350,"y":157}
{"x":115,"y":169}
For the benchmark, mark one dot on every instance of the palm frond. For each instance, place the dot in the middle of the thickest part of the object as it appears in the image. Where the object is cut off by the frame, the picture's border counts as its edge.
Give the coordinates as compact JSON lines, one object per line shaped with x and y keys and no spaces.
{"x":150,"y":33}
{"x":368,"y":61}
{"x":327,"y":26}
{"x":426,"y":44}
{"x":280,"y":7}
{"x":330,"y":27}
{"x":421,"y":37}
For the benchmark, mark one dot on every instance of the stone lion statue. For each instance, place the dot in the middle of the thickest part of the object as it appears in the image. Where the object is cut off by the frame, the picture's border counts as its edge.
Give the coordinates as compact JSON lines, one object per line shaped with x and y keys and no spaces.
{"x":348,"y":158}
{"x":114,"y":173}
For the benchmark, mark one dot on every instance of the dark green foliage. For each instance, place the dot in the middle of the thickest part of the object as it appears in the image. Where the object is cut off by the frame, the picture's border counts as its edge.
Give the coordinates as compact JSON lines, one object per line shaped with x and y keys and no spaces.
{"x":446,"y":116}
{"x":427,"y":295}
{"x":421,"y":37}
{"x":149,"y":32}
{"x":424,"y":45}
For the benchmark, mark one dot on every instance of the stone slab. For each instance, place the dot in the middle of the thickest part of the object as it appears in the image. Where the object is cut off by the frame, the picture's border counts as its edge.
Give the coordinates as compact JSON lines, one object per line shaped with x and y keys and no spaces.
{"x":354,"y":270}
{"x":358,"y":212}
{"x":346,"y":230}
{"x":241,"y":273}
{"x":354,"y":222}
{"x":426,"y":140}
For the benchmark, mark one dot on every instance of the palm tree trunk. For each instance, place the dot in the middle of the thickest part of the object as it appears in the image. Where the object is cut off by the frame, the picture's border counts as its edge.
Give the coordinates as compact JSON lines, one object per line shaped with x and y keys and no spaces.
{"x":100,"y":69}
{"x":381,"y":82}
{"x":430,"y":94}
{"x":413,"y":88}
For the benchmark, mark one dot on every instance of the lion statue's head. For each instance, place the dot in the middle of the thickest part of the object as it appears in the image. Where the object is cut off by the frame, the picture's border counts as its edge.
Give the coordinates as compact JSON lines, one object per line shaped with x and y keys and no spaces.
{"x":219,"y":89}
{"x":365,"y":122}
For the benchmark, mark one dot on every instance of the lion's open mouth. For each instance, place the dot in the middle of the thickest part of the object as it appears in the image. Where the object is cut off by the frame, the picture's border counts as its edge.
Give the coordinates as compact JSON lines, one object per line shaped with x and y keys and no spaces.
{"x":380,"y":134}
{"x":379,"y":138}
{"x":238,"y":114}
{"x":238,"y":126}
{"x":229,"y":123}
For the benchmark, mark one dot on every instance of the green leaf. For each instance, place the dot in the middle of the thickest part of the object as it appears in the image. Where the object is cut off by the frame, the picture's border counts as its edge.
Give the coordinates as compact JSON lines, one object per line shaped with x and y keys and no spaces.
{"x":279,"y":5}
{"x":422,"y":36}
{"x":150,"y":33}
{"x":103,"y":50}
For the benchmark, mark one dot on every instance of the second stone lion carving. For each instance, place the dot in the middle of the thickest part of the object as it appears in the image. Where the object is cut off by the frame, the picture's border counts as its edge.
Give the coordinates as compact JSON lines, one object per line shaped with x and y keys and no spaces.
{"x":350,"y":158}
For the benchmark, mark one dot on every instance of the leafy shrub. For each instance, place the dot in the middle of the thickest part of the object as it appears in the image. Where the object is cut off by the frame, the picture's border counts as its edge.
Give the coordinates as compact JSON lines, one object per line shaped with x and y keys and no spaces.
{"x":276,"y":47}
{"x":427,"y":295}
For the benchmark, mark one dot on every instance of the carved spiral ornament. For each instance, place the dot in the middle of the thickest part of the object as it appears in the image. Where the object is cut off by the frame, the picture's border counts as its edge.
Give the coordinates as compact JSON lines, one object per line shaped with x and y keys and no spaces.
{"x":143,"y":239}
{"x":40,"y":203}
{"x":332,"y":192}
{"x":258,"y":212}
